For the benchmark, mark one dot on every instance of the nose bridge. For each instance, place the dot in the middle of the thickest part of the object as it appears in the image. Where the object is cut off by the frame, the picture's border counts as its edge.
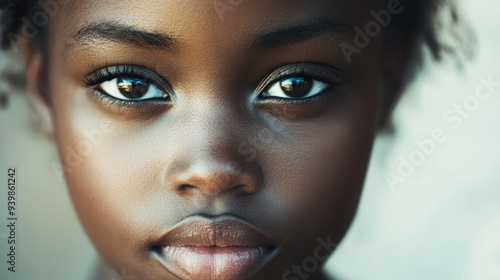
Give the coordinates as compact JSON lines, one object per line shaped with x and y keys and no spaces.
{"x":215,"y":126}
{"x":209,"y":162}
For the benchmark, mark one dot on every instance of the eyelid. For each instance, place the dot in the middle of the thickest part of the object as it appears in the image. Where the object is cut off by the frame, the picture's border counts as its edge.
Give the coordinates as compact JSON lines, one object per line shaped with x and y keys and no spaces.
{"x":322,"y":73}
{"x":119,"y":104}
{"x":111,"y":72}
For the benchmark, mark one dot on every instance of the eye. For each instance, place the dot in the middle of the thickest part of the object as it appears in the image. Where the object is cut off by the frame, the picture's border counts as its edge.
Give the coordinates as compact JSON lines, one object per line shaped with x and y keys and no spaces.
{"x":128,"y":88}
{"x":131,"y":85}
{"x":295,"y":88}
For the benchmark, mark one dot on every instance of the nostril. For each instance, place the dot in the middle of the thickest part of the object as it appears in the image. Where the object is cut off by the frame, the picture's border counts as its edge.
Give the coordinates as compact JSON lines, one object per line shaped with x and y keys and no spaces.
{"x":185,"y":187}
{"x":245,"y":189}
{"x":209,"y":177}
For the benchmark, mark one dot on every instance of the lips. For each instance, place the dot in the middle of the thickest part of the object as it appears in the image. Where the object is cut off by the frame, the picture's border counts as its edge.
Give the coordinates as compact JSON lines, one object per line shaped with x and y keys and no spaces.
{"x":219,"y":248}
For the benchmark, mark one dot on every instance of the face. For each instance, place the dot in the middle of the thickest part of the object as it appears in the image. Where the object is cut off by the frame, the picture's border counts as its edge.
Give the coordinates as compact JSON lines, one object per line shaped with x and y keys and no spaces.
{"x":226,"y":138}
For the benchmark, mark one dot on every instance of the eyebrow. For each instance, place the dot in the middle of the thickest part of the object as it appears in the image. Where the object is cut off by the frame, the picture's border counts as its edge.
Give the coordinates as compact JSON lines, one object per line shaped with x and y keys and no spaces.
{"x":313,"y":28}
{"x":288,"y":35}
{"x":120,"y":33}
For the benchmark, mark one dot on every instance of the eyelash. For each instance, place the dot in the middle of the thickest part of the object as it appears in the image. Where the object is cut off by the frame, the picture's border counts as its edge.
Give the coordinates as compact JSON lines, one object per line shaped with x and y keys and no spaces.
{"x":111,"y":72}
{"x":323,"y":74}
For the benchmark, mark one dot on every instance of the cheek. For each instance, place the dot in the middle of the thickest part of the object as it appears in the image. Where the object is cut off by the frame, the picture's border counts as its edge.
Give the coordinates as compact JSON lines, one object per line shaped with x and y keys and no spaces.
{"x":321,"y":184}
{"x":109,"y":169}
{"x":315,"y":172}
{"x":115,"y":188}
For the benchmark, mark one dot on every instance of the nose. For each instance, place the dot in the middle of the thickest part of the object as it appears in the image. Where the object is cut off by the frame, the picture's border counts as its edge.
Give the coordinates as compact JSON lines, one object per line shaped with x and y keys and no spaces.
{"x":214,"y":177}
{"x":208,"y":161}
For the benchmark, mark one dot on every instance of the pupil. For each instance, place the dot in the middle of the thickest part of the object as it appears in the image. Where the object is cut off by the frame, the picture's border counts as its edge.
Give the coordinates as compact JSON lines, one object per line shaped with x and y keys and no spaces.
{"x":296,"y":87}
{"x":132,"y":88}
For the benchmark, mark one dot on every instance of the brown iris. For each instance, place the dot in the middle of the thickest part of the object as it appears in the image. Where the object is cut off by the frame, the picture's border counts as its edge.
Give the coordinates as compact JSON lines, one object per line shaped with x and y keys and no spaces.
{"x":296,"y":87}
{"x":132,"y":88}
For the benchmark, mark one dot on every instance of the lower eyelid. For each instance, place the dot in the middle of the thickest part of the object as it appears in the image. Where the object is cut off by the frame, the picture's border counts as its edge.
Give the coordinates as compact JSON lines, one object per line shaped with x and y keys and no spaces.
{"x":328,"y":85}
{"x":114,"y":103}
{"x":327,"y":92}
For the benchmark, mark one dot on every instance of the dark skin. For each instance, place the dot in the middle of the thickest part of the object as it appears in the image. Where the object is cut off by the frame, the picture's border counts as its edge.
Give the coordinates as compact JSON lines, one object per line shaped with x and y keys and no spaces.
{"x":191,"y":149}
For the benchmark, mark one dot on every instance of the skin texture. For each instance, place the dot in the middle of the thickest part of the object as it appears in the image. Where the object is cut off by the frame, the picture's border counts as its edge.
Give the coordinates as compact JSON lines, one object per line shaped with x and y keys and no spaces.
{"x":293,"y":170}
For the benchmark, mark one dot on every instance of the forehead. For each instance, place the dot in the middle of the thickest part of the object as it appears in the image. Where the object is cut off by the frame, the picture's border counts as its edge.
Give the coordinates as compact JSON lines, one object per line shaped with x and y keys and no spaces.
{"x":184,"y":18}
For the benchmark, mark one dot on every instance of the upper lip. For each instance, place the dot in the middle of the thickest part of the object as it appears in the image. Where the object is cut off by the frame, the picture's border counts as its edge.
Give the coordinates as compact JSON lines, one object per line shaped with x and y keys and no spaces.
{"x":221,"y":231}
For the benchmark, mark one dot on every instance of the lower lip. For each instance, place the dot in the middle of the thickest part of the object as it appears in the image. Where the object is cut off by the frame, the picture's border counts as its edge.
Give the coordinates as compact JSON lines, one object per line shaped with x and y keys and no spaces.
{"x":221,"y":263}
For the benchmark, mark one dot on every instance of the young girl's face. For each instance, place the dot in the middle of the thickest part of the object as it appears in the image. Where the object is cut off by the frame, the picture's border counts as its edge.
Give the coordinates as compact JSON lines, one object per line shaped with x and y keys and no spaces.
{"x":213,"y":139}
